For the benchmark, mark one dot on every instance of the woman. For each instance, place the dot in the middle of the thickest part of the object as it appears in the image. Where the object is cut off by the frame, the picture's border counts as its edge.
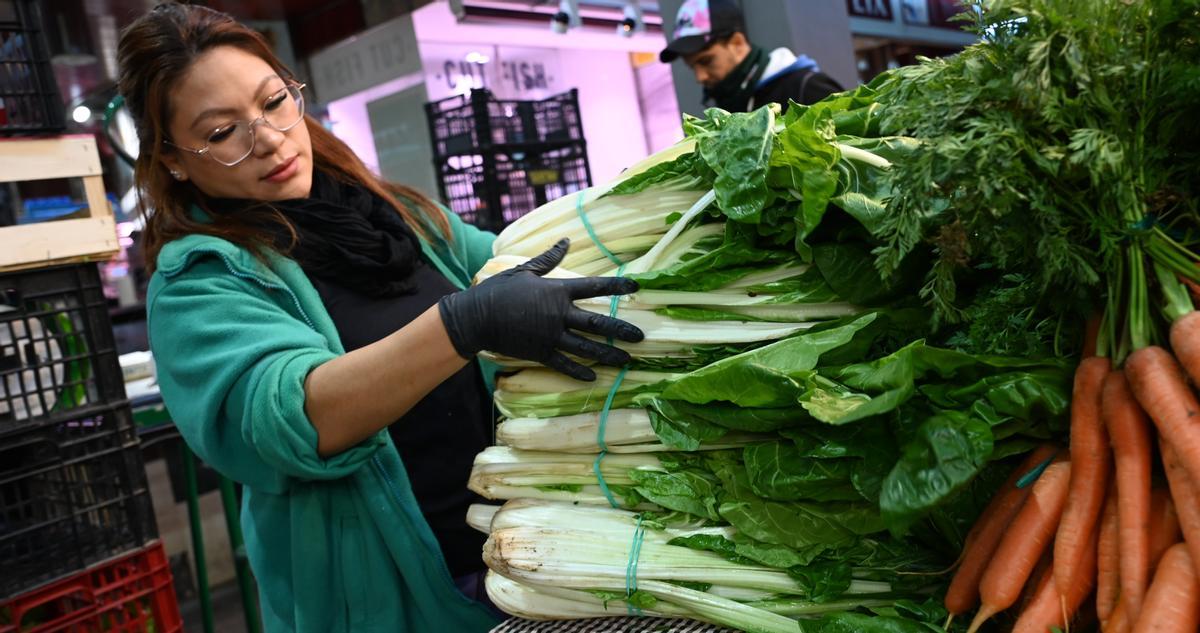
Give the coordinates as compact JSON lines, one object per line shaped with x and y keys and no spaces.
{"x":313,"y":337}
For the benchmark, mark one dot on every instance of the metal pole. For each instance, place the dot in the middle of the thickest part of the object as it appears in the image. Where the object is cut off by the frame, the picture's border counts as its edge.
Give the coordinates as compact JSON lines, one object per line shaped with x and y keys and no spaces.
{"x":240,"y":561}
{"x":193,"y":504}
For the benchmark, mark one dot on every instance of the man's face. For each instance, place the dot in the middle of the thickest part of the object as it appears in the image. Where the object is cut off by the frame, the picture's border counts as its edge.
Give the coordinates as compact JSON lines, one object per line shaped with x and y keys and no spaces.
{"x":714,"y":63}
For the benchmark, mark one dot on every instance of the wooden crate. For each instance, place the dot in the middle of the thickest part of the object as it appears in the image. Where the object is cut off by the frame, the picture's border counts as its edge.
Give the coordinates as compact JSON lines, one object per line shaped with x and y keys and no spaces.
{"x":93,"y":238}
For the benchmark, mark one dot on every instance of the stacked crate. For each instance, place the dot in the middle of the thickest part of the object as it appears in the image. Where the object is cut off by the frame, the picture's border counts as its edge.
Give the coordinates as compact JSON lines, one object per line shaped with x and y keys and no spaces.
{"x":497,"y":160}
{"x":78,"y":543}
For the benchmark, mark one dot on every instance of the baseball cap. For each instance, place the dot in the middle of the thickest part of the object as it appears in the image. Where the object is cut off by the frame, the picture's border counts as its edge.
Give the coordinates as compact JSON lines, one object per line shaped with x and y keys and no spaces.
{"x":698,"y":23}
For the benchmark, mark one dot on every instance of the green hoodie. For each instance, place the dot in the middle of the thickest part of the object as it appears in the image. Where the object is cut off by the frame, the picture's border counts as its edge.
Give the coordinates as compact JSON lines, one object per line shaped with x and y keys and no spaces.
{"x":336,"y":544}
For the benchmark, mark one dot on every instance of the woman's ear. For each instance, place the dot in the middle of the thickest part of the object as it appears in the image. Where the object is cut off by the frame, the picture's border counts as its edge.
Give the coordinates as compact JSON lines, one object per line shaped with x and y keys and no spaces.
{"x":174,"y":166}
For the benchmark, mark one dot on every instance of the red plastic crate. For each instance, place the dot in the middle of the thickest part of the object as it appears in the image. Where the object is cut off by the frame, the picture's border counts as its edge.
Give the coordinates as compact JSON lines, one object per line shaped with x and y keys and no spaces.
{"x":130,"y":593}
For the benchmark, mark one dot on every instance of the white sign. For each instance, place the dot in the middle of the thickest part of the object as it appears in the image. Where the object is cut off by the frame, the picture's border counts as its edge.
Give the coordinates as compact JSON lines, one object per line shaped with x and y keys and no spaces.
{"x":376,"y":56}
{"x":509,"y":72}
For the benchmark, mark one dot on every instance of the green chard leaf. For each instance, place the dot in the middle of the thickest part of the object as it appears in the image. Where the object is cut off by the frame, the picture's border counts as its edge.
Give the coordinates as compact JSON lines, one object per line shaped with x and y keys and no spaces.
{"x":950,"y":450}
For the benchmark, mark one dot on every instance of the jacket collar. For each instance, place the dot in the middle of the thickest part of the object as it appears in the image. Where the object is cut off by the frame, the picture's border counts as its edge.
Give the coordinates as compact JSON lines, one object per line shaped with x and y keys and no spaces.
{"x":783,"y":61}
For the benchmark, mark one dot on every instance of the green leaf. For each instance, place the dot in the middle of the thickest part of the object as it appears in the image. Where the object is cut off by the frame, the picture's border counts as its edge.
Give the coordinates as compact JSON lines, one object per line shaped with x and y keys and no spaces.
{"x":808,"y":528}
{"x":846,"y":622}
{"x":561,"y":488}
{"x":767,"y":376}
{"x":711,"y":264}
{"x":683,"y":173}
{"x":694,"y":586}
{"x":777,"y":471}
{"x":639,"y":599}
{"x":697,"y":421}
{"x":688,"y":491}
{"x":849,"y":269}
{"x":675,"y":428}
{"x":740,"y":152}
{"x":823,"y":581}
{"x":950,"y":449}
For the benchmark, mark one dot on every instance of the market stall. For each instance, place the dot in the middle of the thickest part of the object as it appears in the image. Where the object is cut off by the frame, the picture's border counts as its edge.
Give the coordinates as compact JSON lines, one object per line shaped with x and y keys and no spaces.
{"x":919,"y":355}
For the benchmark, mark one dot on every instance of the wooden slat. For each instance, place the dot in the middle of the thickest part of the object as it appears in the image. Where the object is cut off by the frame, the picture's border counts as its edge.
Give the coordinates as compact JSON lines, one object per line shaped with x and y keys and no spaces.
{"x":41,"y":159}
{"x":98,"y":206}
{"x":30,"y":245}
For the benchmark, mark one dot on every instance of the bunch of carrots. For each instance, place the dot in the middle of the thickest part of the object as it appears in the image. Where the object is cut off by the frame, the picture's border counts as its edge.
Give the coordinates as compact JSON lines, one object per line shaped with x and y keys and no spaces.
{"x":1068,"y":525}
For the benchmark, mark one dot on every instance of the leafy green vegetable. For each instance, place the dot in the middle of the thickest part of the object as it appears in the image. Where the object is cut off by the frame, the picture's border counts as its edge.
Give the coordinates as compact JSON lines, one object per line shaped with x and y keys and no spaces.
{"x":951,"y":448}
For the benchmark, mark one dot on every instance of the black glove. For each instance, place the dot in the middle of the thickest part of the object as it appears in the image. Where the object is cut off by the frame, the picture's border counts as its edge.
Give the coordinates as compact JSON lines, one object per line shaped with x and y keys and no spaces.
{"x":520,"y":314}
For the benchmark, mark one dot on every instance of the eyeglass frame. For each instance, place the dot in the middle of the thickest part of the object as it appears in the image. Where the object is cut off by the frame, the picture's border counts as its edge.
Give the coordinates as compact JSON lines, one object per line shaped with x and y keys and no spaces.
{"x":262,"y":118}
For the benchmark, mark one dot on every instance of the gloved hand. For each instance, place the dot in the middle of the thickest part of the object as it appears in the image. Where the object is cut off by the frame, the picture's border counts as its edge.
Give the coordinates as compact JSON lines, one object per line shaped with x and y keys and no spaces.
{"x":520,"y":314}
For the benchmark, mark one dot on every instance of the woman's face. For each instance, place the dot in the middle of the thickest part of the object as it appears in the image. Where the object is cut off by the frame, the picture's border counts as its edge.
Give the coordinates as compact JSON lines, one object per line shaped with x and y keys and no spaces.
{"x":224,"y":86}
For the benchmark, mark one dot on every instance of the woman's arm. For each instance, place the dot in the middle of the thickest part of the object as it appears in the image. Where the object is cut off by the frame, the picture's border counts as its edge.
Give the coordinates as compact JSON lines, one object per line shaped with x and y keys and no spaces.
{"x":516,"y":313}
{"x":352,"y":397}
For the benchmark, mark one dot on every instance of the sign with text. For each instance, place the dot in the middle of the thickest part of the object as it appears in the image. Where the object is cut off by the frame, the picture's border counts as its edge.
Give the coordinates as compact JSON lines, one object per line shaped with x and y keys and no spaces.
{"x":873,"y":9}
{"x":509,"y":72}
{"x":377,"y":56}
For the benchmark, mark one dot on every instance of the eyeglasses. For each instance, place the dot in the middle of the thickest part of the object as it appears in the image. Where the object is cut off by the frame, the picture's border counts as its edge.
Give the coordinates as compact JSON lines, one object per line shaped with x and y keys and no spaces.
{"x":233,"y":142}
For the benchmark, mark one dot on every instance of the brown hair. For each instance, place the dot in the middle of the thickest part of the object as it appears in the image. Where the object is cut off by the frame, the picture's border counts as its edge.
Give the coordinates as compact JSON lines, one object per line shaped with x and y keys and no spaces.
{"x":154,"y":52}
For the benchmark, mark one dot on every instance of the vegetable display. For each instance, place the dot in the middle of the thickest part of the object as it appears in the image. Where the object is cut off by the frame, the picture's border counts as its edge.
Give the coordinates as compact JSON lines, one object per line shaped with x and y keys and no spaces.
{"x":868,"y":398}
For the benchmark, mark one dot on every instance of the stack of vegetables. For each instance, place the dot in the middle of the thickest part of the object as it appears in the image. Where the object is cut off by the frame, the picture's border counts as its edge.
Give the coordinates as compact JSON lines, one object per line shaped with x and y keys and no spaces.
{"x":786,"y":440}
{"x":860,"y":318}
{"x":1056,"y":181}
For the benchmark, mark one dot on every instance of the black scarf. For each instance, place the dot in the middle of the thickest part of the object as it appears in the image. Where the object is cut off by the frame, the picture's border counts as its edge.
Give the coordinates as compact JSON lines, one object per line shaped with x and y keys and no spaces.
{"x":347,"y":236}
{"x":734,"y":92}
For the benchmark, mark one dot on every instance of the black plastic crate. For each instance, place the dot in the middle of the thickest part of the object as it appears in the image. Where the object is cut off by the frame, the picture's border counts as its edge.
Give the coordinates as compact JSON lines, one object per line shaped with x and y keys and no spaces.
{"x":71,"y":494}
{"x":477,"y":122}
{"x":494,"y":189}
{"x":29,"y":101}
{"x":58,"y":359}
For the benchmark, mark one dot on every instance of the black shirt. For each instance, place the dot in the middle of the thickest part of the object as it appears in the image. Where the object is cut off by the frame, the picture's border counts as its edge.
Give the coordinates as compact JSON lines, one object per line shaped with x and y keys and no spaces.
{"x":439,"y":437}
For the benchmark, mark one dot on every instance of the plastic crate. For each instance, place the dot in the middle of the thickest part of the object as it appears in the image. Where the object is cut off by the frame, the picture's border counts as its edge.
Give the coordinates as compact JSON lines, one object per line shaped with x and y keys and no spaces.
{"x":469,"y":124}
{"x":58,"y":358}
{"x":71,"y":494}
{"x":492,"y":190}
{"x":29,"y":101}
{"x":132,"y":593}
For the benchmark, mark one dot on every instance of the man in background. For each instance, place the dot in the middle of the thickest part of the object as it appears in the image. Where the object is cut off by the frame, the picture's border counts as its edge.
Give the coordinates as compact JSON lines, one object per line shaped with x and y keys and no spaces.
{"x":738,"y":76}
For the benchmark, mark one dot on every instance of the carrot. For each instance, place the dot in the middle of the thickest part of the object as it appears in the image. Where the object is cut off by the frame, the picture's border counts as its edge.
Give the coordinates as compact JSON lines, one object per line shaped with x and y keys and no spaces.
{"x":984,"y":537}
{"x":1023,"y":542}
{"x":1108,"y":577}
{"x":1091,"y":461}
{"x":1157,"y":382}
{"x":1164,"y":524}
{"x":1130,"y":434}
{"x":1186,"y":495}
{"x":1043,"y":570}
{"x":1185,"y":342}
{"x":1173,"y":601}
{"x":1193,"y":287}
{"x":1050,"y":608}
{"x":1119,"y":621}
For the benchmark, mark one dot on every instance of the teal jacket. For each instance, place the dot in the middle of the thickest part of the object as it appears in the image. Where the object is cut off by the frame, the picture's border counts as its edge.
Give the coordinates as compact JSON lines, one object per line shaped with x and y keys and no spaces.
{"x":336,"y":544}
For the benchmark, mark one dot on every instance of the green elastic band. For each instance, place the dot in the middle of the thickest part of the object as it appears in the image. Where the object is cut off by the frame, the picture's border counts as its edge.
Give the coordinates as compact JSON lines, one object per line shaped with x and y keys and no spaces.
{"x":635,"y":552}
{"x":1032,"y":476}
{"x":612,"y":395}
{"x":587,"y":226}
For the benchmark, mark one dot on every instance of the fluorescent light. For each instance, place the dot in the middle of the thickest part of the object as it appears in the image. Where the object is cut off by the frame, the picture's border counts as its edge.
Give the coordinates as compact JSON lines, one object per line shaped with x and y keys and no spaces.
{"x":81,"y":114}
